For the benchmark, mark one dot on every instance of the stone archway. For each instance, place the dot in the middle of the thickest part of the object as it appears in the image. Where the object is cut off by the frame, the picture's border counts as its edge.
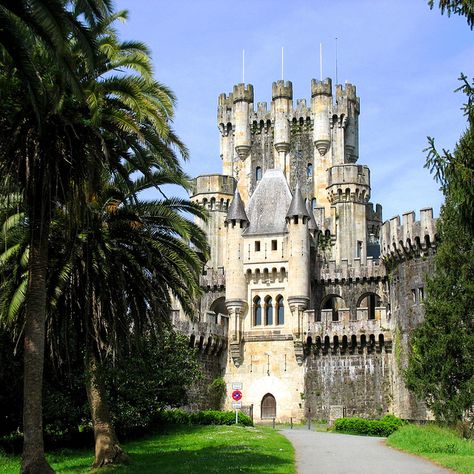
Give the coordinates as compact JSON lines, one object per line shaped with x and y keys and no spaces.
{"x":268,"y":407}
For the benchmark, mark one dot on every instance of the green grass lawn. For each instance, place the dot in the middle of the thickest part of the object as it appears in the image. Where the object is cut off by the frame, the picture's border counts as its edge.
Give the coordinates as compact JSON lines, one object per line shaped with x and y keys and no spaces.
{"x":438,"y":444}
{"x":188,"y":449}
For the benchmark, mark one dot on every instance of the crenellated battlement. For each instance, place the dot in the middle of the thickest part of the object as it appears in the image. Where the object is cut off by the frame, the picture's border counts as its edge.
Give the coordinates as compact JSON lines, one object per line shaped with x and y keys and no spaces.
{"x":208,"y":332}
{"x":374,"y":214}
{"x":346,"y":92}
{"x":302,"y":111}
{"x":321,"y":87}
{"x":224,"y":109}
{"x":212,"y":279}
{"x":282,"y":90}
{"x":406,"y":237}
{"x":243,"y":92}
{"x":355,"y":270}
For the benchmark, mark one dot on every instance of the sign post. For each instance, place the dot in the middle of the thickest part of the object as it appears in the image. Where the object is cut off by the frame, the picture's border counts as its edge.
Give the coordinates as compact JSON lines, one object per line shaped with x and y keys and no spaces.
{"x":237,"y":397}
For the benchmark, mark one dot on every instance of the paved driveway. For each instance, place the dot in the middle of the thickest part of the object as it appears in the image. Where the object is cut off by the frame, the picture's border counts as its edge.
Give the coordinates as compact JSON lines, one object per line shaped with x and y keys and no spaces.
{"x":346,"y":454}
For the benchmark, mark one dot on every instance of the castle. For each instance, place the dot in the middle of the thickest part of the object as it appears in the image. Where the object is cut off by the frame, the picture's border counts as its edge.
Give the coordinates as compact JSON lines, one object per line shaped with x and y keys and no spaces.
{"x":309,"y":297}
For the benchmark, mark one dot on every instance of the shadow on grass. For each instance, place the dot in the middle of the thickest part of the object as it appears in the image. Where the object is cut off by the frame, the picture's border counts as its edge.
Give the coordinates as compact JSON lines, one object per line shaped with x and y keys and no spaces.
{"x":206,"y":460}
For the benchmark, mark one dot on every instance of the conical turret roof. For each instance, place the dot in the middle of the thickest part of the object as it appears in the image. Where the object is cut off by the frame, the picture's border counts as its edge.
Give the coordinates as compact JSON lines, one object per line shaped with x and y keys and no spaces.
{"x":236,"y":209}
{"x":297,"y":206}
{"x":312,"y":221}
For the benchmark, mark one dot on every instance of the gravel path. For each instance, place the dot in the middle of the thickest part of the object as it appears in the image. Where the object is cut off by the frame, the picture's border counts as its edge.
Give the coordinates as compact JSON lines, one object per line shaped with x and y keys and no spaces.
{"x":346,"y":454}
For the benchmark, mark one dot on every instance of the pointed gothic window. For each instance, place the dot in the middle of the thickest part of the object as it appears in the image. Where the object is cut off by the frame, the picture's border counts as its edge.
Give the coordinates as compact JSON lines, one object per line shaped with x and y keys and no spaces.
{"x":258,"y":173}
{"x":281,"y":310}
{"x":257,"y":311}
{"x":268,"y":311}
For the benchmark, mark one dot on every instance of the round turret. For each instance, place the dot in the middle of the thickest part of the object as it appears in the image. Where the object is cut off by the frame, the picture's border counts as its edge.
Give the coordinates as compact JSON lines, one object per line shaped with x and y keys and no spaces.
{"x":236,"y":222}
{"x":282,"y":97}
{"x":242,"y":97}
{"x":299,"y":251}
{"x":321,"y":103}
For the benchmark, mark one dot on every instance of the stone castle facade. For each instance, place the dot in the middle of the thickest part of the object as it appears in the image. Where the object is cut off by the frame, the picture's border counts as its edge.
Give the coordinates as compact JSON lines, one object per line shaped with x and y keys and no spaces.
{"x":309,"y":297}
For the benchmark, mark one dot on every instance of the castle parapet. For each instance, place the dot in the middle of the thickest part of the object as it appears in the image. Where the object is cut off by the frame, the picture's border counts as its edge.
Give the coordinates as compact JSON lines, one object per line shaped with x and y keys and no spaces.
{"x":350,"y":271}
{"x":347,"y":93}
{"x":224,"y":110}
{"x":346,"y":336}
{"x":212,"y":279}
{"x":282,"y":90}
{"x":348,"y":182}
{"x":406,"y":237}
{"x":321,"y":87}
{"x":243,"y":92}
{"x":208,"y":332}
{"x":213,"y":184}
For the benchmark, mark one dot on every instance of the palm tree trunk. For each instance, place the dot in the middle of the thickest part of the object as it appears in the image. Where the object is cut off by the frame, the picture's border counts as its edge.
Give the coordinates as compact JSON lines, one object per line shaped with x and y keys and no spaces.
{"x":107,"y":447}
{"x":33,"y":460}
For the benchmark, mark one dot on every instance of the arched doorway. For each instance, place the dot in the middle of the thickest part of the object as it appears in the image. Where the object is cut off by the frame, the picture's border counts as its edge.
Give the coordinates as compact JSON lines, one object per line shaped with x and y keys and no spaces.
{"x":268,"y":408}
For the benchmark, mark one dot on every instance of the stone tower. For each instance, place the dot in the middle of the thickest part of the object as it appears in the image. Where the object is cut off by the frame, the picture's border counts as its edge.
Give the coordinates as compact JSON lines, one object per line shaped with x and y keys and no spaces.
{"x":295,"y":263}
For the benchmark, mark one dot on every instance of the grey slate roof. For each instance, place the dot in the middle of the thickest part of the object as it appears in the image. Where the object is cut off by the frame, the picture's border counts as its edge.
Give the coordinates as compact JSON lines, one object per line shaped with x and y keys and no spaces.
{"x":268,"y":205}
{"x":297,"y":206}
{"x":312,"y":221}
{"x":236,"y":209}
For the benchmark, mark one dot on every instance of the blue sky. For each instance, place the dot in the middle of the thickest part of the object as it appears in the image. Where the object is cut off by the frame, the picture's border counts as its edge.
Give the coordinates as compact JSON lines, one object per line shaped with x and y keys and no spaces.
{"x":403,"y":57}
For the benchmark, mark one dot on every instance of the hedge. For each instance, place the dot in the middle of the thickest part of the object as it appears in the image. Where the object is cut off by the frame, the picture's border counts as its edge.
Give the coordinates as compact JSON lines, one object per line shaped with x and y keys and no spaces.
{"x":383,"y":427}
{"x":206,"y":417}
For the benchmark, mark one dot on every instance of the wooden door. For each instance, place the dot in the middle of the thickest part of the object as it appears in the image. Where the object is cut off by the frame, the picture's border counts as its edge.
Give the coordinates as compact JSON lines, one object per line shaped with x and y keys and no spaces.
{"x":268,"y":406}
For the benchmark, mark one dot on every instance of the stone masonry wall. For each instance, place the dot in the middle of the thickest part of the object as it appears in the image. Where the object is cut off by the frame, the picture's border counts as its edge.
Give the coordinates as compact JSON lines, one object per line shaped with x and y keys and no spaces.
{"x":407,"y":287}
{"x":358,"y":382}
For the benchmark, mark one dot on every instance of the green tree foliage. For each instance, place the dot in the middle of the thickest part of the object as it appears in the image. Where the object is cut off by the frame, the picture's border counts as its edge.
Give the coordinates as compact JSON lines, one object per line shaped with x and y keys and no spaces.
{"x":441,"y":364}
{"x":458,"y":7}
{"x":151,"y":378}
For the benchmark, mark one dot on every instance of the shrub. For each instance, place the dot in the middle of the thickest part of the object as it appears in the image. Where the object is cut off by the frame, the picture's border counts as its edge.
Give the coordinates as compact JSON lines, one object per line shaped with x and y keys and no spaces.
{"x":216,"y":393}
{"x":206,"y":417}
{"x":383,"y":427}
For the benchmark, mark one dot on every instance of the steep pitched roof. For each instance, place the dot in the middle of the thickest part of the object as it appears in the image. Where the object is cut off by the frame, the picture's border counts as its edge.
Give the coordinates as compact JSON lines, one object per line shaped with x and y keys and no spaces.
{"x":268,"y":205}
{"x":236,"y":209}
{"x":297,"y":206}
{"x":312,"y":221}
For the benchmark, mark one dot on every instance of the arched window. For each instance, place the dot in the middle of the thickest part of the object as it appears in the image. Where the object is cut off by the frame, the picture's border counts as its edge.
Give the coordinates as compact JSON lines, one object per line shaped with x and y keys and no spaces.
{"x":367,"y":304}
{"x":268,"y":311}
{"x":281,"y":310}
{"x":313,"y":204}
{"x":258,"y":173}
{"x":257,"y":311}
{"x":309,"y":170}
{"x":268,"y":407}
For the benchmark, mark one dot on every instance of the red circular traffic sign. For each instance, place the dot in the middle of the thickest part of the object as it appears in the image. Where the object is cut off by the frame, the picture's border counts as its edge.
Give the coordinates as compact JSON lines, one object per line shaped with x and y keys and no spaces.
{"x":236,"y":395}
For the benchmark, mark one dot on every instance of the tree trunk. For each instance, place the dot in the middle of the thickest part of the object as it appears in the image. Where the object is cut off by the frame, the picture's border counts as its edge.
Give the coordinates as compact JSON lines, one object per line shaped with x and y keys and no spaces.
{"x":107,"y":447}
{"x":33,"y":460}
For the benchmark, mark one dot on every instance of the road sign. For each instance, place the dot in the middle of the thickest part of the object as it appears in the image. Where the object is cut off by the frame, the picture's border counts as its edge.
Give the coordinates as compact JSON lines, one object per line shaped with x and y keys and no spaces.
{"x":237,"y":405}
{"x":237,"y":395}
{"x":237,"y":386}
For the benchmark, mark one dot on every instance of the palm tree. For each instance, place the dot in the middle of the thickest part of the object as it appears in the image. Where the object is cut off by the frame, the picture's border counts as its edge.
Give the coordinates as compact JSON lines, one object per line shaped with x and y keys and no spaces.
{"x":123,"y":118}
{"x":115,"y":284}
{"x":25,"y":23}
{"x":130,"y":258}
